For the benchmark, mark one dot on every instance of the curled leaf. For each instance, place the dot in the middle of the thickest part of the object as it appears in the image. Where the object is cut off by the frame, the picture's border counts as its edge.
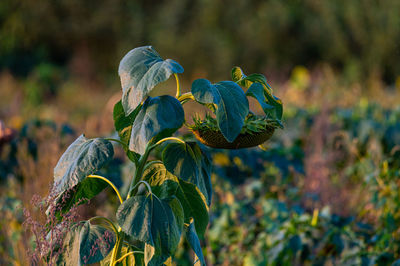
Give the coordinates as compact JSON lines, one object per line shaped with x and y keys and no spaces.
{"x":140,"y":70}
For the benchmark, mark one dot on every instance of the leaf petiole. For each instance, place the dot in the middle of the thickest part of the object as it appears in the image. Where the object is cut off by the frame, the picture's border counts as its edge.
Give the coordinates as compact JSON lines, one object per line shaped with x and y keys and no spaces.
{"x":118,"y":141}
{"x":128,"y":254}
{"x":178,"y":90}
{"x":108,"y":182}
{"x":186,"y":97}
{"x":146,"y":184}
{"x":108,"y":221}
{"x":166,"y":139}
{"x":151,"y":163}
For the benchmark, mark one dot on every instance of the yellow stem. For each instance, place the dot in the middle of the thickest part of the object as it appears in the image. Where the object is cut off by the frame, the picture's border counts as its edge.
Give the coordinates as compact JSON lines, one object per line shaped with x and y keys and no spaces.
{"x":186,"y":96}
{"x":178,"y":90}
{"x":110,"y":183}
{"x":115,"y":250}
{"x":170,"y":138}
{"x":124,"y":256}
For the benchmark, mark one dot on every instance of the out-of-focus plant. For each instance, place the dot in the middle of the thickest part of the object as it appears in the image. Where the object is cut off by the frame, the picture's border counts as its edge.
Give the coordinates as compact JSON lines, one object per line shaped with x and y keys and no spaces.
{"x":344,"y":34}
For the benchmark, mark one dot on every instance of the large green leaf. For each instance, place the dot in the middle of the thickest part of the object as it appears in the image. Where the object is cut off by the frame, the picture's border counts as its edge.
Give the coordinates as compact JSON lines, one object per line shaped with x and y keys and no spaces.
{"x":159,"y":117}
{"x":188,"y":162}
{"x":194,"y":242}
{"x":82,"y":158}
{"x":156,"y":222}
{"x":194,"y":205}
{"x":95,"y":243}
{"x":86,"y":244}
{"x":123,"y":125}
{"x":164,"y":184}
{"x":70,"y":248}
{"x":140,"y":71}
{"x":232,"y":104}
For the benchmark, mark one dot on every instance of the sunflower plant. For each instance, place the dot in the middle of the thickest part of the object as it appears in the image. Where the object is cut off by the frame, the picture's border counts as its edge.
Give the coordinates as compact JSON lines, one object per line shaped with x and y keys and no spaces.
{"x":169,"y":198}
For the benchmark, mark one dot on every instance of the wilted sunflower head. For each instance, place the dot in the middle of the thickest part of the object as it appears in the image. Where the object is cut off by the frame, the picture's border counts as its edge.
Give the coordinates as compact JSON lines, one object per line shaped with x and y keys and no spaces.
{"x":255,"y":131}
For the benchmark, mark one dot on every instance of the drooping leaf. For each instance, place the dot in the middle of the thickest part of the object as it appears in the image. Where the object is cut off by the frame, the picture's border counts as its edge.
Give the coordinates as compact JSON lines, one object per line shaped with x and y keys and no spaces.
{"x":95,"y":243}
{"x":240,"y":78}
{"x":206,"y":169}
{"x":194,"y":205}
{"x":164,"y":184}
{"x":86,"y":244}
{"x":194,"y":242}
{"x":82,"y":158}
{"x":87,"y":189}
{"x":159,"y":117}
{"x":237,"y":74}
{"x":123,"y":125}
{"x":153,"y":221}
{"x":271,"y":105}
{"x":259,"y":88}
{"x":140,"y":71}
{"x":187,"y":162}
{"x":232,"y":104}
{"x":177,"y":209}
{"x":257,"y":92}
{"x":70,"y":247}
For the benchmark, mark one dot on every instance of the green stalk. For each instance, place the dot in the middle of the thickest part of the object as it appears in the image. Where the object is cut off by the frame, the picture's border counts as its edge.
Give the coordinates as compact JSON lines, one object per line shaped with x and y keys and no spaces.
{"x":137,"y":177}
{"x":123,"y":144}
{"x":139,"y":171}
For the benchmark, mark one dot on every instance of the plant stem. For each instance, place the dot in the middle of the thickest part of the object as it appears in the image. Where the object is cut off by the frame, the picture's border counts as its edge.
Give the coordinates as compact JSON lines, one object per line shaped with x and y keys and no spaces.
{"x":128,"y":254}
{"x":169,"y":138}
{"x":151,"y":163}
{"x":118,"y":141}
{"x":178,"y":90}
{"x":106,"y":220}
{"x":117,"y":248}
{"x":146,"y":184}
{"x":110,"y":183}
{"x":139,"y":170}
{"x":138,"y":175}
{"x":186,"y":97}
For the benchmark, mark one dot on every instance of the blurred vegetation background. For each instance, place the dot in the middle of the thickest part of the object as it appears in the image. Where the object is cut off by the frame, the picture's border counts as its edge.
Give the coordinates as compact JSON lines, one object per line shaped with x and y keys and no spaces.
{"x":332,"y":173}
{"x":52,"y":50}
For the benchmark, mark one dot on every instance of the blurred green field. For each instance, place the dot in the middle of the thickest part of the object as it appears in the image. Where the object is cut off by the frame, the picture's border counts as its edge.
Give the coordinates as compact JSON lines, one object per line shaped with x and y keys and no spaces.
{"x":323,"y":191}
